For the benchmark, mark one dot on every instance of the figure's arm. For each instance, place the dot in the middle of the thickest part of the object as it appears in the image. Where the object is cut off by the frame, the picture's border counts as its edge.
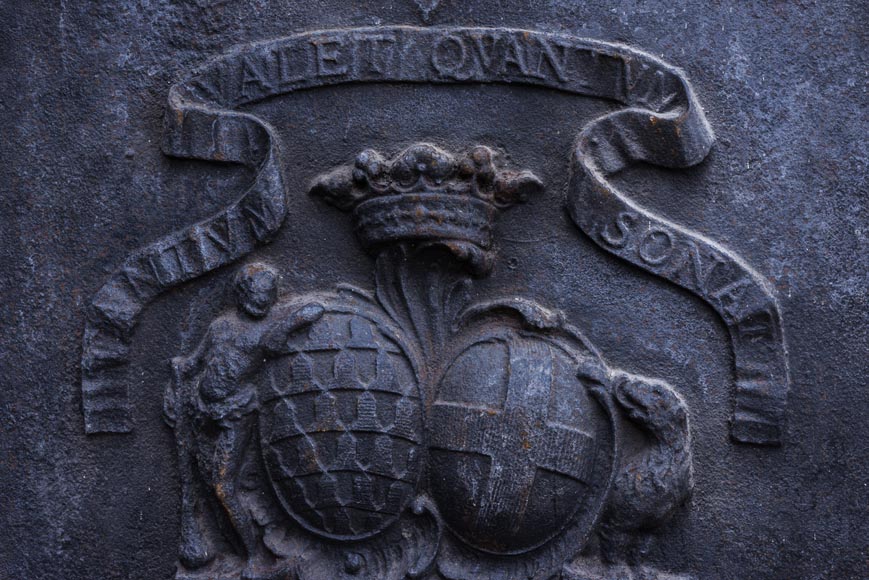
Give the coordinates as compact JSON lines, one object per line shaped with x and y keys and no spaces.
{"x":275,"y":339}
{"x":186,"y":365}
{"x":183,"y":368}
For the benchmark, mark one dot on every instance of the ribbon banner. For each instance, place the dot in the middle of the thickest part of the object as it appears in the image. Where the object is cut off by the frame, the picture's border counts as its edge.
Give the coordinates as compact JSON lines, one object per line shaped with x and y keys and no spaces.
{"x":661,"y":124}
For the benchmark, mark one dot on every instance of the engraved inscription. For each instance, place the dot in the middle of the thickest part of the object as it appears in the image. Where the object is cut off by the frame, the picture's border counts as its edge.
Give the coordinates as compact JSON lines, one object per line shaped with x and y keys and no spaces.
{"x":203,"y":125}
{"x":410,"y":431}
{"x":317,"y":404}
{"x":435,"y":55}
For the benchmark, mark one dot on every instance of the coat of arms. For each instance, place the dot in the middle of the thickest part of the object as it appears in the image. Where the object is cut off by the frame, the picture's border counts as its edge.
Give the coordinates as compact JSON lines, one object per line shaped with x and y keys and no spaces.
{"x":412,"y":429}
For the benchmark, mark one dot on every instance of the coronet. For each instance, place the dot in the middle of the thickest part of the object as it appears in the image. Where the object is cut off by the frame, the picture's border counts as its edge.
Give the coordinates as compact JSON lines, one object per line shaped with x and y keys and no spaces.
{"x":427,"y":195}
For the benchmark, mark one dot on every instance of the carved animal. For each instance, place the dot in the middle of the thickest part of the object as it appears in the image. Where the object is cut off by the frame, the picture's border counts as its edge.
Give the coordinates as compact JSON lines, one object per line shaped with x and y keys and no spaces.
{"x":655,"y":480}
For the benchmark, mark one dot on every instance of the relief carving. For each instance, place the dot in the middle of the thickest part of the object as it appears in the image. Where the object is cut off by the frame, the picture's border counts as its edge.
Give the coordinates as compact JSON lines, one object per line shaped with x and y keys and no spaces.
{"x":411,"y":432}
{"x":311,"y":428}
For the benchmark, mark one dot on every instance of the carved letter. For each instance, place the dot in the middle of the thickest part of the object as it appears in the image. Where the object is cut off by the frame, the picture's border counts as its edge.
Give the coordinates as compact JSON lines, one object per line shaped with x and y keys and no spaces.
{"x":329,"y":57}
{"x":254,"y":82}
{"x":623,"y":223}
{"x":558,"y":63}
{"x":656,"y":246}
{"x":448,"y":56}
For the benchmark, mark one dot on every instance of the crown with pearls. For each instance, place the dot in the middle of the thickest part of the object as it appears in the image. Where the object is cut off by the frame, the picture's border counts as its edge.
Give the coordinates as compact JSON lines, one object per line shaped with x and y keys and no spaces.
{"x":427,"y":196}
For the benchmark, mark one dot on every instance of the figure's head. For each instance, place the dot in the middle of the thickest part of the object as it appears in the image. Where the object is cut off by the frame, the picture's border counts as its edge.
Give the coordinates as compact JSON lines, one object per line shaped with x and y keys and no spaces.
{"x":256,"y":289}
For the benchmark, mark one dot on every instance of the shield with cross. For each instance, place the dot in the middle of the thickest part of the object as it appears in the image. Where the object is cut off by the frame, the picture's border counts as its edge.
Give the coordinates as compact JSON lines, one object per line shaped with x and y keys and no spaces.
{"x":517,"y":442}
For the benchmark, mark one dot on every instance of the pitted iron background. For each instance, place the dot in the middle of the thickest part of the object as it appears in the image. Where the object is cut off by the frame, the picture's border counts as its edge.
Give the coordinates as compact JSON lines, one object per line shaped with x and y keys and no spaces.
{"x":782,"y":86}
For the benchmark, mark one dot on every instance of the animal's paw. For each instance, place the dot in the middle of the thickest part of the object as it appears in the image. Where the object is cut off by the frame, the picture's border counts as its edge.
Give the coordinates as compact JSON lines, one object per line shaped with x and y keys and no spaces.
{"x":596,"y":379}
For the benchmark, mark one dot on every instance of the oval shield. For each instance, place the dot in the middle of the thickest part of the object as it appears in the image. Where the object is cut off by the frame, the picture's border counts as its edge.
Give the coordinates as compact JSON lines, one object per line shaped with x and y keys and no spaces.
{"x":341,"y":426}
{"x":515,"y":442}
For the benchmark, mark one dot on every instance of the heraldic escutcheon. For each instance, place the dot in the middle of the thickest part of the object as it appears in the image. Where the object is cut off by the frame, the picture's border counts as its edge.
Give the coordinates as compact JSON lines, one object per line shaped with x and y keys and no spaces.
{"x":411,"y":430}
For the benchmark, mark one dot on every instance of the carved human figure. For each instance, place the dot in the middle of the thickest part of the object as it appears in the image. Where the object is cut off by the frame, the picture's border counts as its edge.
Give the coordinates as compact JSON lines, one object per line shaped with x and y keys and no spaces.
{"x":520,"y":484}
{"x":213,"y":406}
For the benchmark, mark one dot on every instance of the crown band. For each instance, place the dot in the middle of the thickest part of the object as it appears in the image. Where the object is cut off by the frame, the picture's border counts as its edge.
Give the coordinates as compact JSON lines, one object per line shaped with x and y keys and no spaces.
{"x":424,"y":217}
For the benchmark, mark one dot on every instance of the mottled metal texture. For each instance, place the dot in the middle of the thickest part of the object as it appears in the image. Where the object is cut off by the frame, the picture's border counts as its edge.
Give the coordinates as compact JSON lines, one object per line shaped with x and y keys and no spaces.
{"x":430,"y":289}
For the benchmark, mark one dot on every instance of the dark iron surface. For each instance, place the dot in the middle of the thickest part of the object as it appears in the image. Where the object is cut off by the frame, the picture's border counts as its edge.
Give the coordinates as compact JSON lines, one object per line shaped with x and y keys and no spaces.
{"x":437,"y":290}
